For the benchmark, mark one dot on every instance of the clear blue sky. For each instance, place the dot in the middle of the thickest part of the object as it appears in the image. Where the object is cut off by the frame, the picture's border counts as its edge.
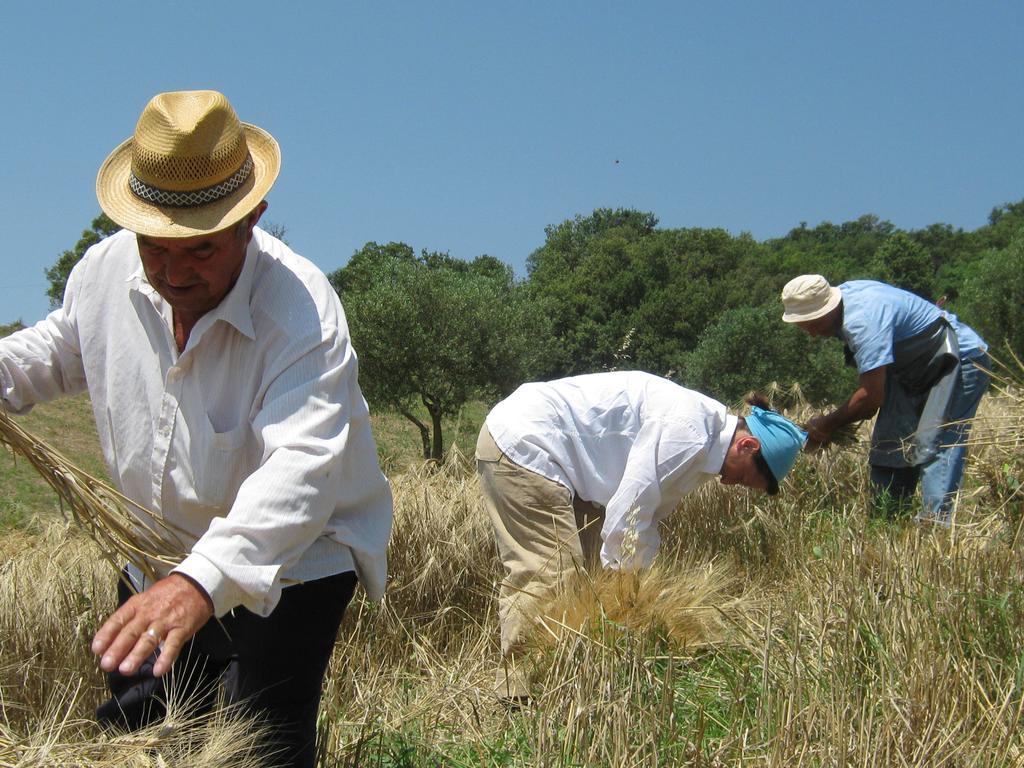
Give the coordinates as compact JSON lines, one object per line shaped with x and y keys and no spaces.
{"x":468,"y":127}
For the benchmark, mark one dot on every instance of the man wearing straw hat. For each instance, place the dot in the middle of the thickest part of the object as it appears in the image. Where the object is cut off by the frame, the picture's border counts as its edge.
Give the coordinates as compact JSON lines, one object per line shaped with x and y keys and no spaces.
{"x":224,"y":387}
{"x":584,"y":468}
{"x":920,"y":369}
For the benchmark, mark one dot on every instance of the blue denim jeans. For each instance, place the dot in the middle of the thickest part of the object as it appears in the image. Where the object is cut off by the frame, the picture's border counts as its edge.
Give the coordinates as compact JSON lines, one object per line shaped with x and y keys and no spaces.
{"x":940,"y":478}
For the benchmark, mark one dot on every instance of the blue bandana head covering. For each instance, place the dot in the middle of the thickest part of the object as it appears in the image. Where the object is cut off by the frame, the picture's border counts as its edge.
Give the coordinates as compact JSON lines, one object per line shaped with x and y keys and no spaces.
{"x":781,"y":439}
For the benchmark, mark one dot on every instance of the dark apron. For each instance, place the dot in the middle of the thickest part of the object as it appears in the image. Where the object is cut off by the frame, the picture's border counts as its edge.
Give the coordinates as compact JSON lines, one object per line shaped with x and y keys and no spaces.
{"x":918,"y":388}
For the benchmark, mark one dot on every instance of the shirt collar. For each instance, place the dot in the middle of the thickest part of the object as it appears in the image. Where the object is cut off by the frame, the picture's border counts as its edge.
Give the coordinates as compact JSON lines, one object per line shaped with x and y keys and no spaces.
{"x":234,"y":309}
{"x":719,"y":446}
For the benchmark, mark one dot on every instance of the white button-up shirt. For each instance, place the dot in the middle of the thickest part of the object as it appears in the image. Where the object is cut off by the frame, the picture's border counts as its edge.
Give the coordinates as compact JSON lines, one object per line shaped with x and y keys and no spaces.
{"x":254,"y":441}
{"x":632,"y":442}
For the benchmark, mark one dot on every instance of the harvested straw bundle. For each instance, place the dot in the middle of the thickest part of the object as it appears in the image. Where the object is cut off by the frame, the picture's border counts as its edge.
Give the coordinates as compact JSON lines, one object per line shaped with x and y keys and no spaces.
{"x":223,"y":738}
{"x":689,"y":603}
{"x":123,"y":530}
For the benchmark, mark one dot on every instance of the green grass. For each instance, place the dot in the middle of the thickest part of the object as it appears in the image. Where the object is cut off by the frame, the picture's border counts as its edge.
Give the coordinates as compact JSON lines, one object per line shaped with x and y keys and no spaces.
{"x":399,"y":445}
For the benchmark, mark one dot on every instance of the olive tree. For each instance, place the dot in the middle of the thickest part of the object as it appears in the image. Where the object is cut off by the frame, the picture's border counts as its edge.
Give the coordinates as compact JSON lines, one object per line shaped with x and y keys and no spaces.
{"x":57,"y":275}
{"x":438,"y":331}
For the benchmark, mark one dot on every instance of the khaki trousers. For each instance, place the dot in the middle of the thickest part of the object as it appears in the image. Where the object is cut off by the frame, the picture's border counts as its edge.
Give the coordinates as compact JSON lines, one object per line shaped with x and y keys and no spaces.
{"x":543,"y":536}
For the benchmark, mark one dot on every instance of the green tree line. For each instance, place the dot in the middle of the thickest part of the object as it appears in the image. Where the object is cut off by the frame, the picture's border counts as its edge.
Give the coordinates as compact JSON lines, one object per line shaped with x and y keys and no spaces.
{"x":615,"y":290}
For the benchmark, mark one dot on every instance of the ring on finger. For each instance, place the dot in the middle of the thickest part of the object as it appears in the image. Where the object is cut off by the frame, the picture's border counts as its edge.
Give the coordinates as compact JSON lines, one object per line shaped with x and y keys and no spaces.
{"x":152,"y":633}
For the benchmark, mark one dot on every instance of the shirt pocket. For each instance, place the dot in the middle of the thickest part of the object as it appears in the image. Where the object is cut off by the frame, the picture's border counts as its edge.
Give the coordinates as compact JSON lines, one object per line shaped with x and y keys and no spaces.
{"x":219,"y":470}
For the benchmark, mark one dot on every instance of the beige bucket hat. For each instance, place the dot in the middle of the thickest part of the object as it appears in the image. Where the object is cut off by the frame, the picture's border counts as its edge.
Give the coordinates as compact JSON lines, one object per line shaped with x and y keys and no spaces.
{"x":808,"y":297}
{"x":190,"y":169}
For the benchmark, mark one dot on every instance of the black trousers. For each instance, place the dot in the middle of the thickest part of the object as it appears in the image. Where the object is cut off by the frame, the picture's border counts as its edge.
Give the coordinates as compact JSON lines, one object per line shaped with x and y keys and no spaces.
{"x":272,"y":667}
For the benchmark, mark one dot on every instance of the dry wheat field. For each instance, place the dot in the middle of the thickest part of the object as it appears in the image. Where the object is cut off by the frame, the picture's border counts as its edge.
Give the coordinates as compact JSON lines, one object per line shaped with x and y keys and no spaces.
{"x":772,"y":632}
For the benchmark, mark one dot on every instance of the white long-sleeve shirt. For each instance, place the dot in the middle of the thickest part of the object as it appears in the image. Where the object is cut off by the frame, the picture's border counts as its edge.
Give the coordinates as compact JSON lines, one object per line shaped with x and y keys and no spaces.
{"x":632,"y":442}
{"x":255,"y":440}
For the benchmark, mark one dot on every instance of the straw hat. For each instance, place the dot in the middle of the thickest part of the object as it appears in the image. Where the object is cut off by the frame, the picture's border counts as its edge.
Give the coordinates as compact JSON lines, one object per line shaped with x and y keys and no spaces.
{"x":808,"y":297}
{"x":190,"y":169}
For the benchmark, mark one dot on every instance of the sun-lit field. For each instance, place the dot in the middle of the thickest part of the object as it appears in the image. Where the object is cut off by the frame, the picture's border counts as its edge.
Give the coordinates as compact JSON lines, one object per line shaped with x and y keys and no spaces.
{"x":786,"y":631}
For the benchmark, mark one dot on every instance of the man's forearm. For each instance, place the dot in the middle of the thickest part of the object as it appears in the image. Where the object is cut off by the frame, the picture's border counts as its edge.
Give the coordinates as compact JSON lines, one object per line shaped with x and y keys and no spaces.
{"x":863,"y":404}
{"x":821,"y":428}
{"x":860,"y":406}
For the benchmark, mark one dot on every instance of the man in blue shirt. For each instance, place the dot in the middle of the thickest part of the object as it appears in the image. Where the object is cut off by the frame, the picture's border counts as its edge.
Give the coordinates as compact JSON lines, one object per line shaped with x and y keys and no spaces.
{"x":920,"y":369}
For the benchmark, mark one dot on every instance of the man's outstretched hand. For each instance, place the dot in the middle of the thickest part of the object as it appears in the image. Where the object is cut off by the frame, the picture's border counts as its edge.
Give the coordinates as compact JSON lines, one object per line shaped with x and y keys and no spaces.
{"x":164,"y":616}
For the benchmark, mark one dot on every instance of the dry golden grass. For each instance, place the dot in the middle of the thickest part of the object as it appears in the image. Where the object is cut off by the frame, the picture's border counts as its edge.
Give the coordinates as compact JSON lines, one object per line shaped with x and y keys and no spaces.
{"x":55,"y":589}
{"x":773,"y":632}
{"x":687,"y":602}
{"x":123,"y":531}
{"x":212,"y":741}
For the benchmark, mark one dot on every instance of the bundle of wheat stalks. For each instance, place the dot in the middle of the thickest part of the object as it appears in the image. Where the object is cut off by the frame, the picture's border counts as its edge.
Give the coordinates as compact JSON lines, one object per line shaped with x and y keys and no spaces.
{"x":689,"y":601}
{"x":123,"y":530}
{"x":210,"y":741}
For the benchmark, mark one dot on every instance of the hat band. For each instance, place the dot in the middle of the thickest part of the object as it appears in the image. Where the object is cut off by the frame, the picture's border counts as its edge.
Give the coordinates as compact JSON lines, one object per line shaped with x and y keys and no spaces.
{"x":193,"y":198}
